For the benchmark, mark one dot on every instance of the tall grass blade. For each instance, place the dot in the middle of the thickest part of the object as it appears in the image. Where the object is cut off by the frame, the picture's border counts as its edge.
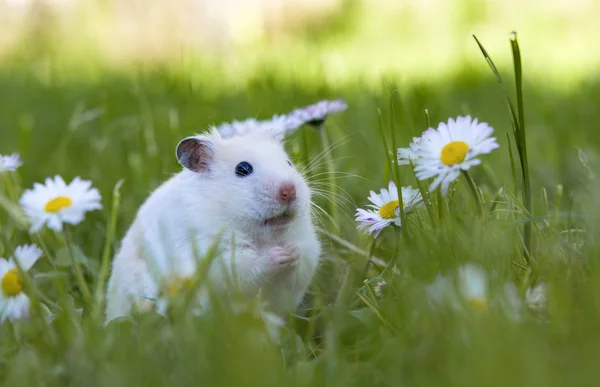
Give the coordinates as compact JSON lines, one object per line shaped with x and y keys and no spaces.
{"x":518,"y":123}
{"x":522,"y":139}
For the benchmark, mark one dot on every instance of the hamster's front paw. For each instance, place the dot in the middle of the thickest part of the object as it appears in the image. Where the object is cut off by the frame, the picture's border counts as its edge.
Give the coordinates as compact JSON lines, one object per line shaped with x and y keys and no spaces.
{"x":284,"y":257}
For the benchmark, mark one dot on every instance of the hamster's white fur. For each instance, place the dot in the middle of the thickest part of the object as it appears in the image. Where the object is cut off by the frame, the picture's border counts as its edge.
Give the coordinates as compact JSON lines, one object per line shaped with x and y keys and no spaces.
{"x":268,"y":244}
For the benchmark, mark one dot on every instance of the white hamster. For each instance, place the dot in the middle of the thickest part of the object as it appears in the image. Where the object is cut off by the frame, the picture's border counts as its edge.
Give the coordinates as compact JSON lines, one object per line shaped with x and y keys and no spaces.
{"x":246,"y":187}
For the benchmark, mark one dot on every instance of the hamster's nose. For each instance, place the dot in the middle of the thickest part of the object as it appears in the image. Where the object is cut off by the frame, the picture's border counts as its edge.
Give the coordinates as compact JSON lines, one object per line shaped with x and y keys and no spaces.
{"x":287,"y":192}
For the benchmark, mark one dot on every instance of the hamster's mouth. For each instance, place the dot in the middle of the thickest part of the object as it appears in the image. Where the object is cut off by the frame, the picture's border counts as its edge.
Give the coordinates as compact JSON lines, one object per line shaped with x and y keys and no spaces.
{"x":280,"y":220}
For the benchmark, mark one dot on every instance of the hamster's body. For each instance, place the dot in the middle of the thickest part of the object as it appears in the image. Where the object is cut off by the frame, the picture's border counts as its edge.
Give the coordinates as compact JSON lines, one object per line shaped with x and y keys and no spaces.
{"x":246,"y":189}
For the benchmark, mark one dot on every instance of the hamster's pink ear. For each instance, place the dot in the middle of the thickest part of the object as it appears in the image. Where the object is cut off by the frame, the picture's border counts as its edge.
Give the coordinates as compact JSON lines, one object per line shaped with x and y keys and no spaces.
{"x":195,"y":154}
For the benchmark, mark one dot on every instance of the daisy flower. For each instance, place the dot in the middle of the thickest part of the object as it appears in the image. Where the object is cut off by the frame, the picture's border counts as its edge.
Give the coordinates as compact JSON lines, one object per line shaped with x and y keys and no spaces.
{"x":385,"y":209}
{"x":237,"y":128}
{"x":316,"y":114}
{"x":443,"y":152}
{"x":10,"y":163}
{"x":278,"y":126}
{"x":473,"y":285}
{"x":14,"y":303}
{"x":54,"y":202}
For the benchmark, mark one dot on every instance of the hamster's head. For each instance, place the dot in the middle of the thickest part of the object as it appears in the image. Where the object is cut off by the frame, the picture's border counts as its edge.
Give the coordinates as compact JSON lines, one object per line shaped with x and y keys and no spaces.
{"x":251,"y":178}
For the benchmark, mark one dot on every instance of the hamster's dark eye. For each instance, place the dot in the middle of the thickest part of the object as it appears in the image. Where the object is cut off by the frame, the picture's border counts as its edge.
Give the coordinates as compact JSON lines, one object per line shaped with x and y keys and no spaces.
{"x":289,"y":163}
{"x":243,"y":169}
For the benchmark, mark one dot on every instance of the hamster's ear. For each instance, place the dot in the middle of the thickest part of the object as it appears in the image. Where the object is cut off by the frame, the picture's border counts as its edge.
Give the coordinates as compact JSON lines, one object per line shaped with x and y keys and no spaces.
{"x":195,"y":154}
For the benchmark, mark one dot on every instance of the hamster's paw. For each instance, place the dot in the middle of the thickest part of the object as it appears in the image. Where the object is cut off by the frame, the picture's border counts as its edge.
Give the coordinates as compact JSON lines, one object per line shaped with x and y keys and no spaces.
{"x":283,"y":257}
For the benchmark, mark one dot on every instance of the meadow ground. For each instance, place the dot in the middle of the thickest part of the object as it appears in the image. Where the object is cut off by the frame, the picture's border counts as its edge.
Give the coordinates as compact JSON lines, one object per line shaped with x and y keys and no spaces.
{"x":109,"y":126}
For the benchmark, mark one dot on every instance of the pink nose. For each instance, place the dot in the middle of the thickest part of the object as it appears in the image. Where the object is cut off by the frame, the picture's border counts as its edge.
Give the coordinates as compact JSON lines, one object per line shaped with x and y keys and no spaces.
{"x":287,"y":192}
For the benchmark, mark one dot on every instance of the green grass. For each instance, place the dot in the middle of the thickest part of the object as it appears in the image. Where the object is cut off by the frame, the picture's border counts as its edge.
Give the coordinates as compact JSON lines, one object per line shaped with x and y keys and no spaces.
{"x":115,"y":126}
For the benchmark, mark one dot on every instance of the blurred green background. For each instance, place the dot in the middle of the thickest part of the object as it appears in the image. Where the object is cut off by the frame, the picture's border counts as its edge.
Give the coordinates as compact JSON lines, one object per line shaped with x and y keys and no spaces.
{"x":105,"y":89}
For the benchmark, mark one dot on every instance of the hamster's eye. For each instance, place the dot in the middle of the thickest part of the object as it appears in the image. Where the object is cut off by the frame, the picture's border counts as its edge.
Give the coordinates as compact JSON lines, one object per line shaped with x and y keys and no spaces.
{"x":243,"y":169}
{"x":289,"y":163}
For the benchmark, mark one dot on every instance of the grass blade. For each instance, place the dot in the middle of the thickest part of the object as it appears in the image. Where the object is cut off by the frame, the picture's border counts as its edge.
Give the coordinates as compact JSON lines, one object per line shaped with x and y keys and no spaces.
{"x":110,"y":236}
{"x":518,"y":123}
{"x":522,"y":141}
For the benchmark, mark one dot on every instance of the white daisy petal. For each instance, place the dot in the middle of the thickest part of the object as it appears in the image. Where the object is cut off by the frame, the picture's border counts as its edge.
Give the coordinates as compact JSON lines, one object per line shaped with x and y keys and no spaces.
{"x":54,"y":202}
{"x":27,"y":256}
{"x":436,"y":183}
{"x":450,"y":177}
{"x":54,"y":223}
{"x":10,"y":163}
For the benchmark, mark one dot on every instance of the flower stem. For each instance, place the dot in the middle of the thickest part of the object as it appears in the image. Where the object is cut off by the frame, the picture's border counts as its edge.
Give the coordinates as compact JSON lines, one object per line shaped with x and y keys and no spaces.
{"x":85,"y":291}
{"x":475,"y":192}
{"x":110,"y":236}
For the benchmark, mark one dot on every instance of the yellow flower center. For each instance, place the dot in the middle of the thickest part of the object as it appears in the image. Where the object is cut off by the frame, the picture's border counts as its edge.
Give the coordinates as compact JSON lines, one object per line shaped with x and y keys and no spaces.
{"x":11,"y":283}
{"x":177,"y":285}
{"x":58,"y":204}
{"x":479,"y":303}
{"x":388,"y":210}
{"x":454,"y":152}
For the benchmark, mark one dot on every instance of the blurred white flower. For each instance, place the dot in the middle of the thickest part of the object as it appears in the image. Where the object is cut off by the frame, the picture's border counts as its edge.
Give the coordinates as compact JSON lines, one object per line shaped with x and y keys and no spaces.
{"x":10,"y":163}
{"x":54,"y":202}
{"x":238,"y":128}
{"x":316,"y":114}
{"x":443,"y":152}
{"x":471,"y":291}
{"x":278,"y":126}
{"x":14,"y":303}
{"x":282,"y":125}
{"x":385,"y":208}
{"x":442,"y":292}
{"x":473,"y":285}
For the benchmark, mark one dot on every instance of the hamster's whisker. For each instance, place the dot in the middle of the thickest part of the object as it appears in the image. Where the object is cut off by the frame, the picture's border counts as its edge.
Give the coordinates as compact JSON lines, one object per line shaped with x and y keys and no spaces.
{"x":324,"y":184}
{"x":333,"y":176}
{"x":335,"y":224}
{"x":337,"y":198}
{"x":323,"y":153}
{"x":321,"y":163}
{"x":343,"y":196}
